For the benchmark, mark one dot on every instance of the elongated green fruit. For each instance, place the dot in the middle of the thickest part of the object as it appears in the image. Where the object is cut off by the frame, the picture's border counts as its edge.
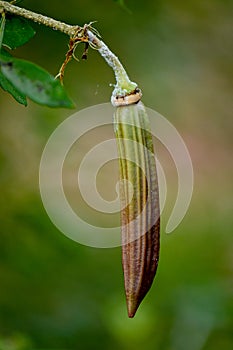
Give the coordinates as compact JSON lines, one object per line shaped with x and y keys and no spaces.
{"x":140,"y":214}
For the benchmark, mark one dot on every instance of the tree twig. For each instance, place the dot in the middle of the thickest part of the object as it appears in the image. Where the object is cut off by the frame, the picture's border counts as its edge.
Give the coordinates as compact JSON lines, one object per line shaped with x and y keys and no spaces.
{"x":86,"y":33}
{"x":38,"y":18}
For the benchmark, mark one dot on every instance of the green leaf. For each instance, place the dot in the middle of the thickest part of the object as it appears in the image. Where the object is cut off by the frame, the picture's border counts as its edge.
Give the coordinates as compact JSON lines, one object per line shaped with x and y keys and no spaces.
{"x":36,"y":83}
{"x":9,"y":87}
{"x":5,"y":53}
{"x":18,"y":31}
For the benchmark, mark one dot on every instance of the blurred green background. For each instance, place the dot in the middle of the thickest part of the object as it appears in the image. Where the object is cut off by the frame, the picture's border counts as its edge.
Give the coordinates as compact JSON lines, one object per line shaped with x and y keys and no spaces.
{"x":57,"y":294}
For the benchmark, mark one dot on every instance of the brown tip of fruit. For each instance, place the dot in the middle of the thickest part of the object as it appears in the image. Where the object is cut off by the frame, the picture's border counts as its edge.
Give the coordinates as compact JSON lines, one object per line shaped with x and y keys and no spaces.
{"x":132,"y":306}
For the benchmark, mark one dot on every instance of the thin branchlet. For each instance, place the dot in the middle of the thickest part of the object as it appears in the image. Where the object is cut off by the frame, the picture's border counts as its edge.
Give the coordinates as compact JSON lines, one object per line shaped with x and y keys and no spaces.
{"x":38,"y":18}
{"x":123,"y":86}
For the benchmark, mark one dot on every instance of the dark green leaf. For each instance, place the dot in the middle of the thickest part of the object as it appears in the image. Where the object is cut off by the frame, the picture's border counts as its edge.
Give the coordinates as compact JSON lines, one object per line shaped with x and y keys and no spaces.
{"x":9,"y":87}
{"x":5,"y":53}
{"x":36,"y":83}
{"x":18,"y":31}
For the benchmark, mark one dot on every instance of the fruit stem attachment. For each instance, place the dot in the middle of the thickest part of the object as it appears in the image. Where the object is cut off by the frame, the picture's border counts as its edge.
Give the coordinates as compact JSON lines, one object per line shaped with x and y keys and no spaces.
{"x":124,"y":85}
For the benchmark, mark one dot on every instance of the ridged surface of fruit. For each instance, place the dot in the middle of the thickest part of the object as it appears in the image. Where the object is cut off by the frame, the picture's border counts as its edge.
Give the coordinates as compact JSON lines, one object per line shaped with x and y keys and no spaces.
{"x":140,"y":214}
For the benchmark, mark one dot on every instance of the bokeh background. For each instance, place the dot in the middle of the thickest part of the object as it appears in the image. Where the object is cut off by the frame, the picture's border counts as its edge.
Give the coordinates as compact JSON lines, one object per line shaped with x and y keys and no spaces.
{"x":57,"y":294}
